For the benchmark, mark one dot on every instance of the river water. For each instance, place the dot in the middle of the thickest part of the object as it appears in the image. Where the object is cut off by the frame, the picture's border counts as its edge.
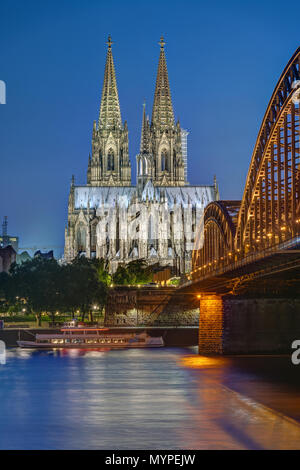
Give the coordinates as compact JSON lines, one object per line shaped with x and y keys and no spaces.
{"x":167,"y":398}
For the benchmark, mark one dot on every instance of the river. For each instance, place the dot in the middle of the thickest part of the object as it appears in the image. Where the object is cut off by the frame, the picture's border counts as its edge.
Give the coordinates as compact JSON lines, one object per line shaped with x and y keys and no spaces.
{"x":169,"y":398}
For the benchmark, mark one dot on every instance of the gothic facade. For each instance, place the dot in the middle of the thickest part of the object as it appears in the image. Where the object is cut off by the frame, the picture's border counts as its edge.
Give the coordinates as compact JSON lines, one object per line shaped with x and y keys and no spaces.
{"x":155,"y":219}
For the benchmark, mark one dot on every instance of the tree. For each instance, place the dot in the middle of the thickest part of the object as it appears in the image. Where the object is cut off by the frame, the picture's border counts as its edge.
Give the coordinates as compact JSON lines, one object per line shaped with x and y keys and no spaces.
{"x":122,"y":276}
{"x":140,"y":271}
{"x":135,"y":272}
{"x":86,"y":284}
{"x":47,"y":287}
{"x":37,"y":282}
{"x":102,"y":271}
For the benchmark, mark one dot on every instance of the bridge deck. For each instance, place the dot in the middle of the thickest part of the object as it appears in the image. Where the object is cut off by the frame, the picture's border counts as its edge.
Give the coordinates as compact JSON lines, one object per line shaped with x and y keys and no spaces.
{"x":282,"y":264}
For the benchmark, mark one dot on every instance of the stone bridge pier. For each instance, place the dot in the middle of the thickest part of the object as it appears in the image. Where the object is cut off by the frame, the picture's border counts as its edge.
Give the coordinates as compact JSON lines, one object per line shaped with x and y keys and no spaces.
{"x":150,"y":306}
{"x":241,"y":325}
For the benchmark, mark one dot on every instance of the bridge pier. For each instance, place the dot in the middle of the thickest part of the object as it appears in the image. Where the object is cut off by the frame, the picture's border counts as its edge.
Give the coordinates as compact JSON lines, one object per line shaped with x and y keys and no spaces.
{"x":211,"y":324}
{"x":241,"y":325}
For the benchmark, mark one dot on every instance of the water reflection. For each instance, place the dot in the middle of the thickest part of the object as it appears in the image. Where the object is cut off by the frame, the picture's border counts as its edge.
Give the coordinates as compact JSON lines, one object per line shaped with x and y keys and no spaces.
{"x":141,"y":399}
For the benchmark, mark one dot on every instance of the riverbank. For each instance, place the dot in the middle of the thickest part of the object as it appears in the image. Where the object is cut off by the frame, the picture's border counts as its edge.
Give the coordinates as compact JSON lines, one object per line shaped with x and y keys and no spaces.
{"x":178,"y":336}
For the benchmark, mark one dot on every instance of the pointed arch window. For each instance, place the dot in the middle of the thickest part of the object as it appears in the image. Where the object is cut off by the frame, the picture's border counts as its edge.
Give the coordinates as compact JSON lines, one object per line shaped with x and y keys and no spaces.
{"x":145,"y":166}
{"x":140,"y":167}
{"x":150,"y":229}
{"x":121,"y":160}
{"x":110,"y":160}
{"x":164,"y":161}
{"x":81,"y":237}
{"x":93,"y":236}
{"x":152,"y":232}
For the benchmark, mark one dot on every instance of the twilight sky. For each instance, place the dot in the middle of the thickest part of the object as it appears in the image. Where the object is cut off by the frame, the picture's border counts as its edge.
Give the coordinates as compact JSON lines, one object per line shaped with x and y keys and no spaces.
{"x":224,"y":59}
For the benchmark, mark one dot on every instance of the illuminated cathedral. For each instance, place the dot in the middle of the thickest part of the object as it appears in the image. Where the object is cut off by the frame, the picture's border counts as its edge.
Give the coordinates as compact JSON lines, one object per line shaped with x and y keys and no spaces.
{"x":156,"y":218}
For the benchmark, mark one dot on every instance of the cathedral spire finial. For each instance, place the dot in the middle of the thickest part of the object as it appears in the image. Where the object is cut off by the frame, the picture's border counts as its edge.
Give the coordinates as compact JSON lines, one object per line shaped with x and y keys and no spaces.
{"x":162,"y":42}
{"x":162,"y":112}
{"x":109,"y":42}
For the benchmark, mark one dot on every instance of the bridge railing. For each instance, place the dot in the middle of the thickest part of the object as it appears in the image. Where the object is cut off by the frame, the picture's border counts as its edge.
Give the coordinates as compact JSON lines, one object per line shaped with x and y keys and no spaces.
{"x":237,"y":260}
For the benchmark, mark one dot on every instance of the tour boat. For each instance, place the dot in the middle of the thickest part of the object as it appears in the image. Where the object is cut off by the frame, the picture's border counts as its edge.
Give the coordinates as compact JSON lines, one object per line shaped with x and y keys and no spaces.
{"x":84,"y":338}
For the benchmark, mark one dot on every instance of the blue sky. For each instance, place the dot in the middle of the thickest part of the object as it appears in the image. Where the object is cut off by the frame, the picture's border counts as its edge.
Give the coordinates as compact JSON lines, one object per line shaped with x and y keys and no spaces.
{"x":224,"y":59}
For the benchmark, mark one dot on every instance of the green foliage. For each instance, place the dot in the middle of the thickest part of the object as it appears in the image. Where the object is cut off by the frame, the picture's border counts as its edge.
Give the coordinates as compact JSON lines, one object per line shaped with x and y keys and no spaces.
{"x":11,"y":309}
{"x":135,"y":272}
{"x":4,"y":281}
{"x":102,"y":271}
{"x":45,"y":286}
{"x":122,"y":276}
{"x":174,"y":281}
{"x":84,"y":286}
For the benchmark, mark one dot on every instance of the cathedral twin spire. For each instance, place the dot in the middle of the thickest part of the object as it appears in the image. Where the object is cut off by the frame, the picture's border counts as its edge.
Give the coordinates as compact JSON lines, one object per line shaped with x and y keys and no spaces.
{"x":162,"y":112}
{"x":160,"y":157}
{"x":110,"y":113}
{"x":109,"y":164}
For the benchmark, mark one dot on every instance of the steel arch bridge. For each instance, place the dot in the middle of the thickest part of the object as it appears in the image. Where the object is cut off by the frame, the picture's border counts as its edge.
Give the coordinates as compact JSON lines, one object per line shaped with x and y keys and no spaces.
{"x":268,"y":216}
{"x":219,"y":228}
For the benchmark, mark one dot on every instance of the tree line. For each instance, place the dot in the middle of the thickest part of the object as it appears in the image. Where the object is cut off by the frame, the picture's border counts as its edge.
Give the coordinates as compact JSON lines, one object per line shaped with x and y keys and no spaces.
{"x":44,"y":285}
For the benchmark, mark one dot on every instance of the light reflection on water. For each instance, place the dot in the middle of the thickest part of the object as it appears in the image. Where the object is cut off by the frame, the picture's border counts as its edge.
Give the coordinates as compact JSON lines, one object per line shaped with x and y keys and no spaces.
{"x":167,"y":398}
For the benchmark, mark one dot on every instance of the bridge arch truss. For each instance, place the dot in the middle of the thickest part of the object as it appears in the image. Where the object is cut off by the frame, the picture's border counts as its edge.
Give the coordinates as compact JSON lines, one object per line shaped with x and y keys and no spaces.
{"x":269,"y":210}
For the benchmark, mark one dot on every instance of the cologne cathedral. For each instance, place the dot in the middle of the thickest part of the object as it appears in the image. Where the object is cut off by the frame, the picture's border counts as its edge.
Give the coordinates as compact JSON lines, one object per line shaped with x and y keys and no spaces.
{"x":156,"y":218}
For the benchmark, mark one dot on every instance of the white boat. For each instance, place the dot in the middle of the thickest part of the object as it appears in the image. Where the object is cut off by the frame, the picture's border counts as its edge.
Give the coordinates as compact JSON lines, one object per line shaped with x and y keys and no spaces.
{"x":84,"y":338}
